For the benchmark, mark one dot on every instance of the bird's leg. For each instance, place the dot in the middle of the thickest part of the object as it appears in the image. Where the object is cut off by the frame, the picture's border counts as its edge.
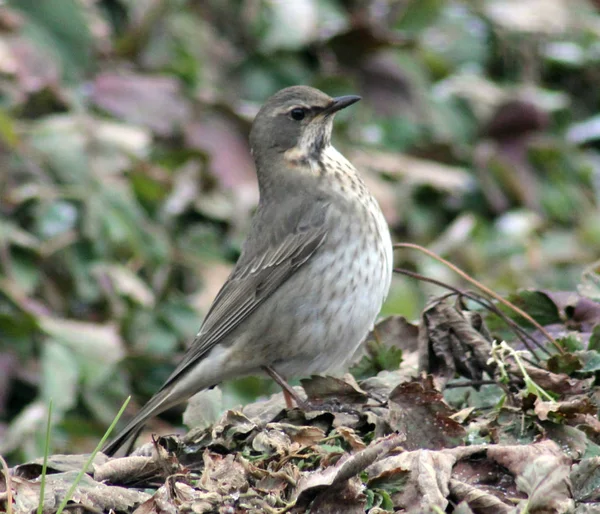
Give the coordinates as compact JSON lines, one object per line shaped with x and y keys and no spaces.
{"x":289,"y":403}
{"x":289,"y":393}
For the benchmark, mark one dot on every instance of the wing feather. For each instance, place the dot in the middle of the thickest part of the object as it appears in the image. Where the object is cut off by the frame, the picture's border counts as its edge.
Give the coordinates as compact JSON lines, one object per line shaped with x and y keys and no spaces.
{"x":253,"y":280}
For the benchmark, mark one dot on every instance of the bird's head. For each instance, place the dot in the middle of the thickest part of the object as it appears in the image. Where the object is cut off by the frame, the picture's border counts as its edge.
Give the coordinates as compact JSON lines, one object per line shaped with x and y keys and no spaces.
{"x":295,"y":124}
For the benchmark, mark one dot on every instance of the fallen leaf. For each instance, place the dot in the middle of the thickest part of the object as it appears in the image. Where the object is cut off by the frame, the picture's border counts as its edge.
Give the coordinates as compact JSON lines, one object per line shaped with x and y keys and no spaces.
{"x":419,"y":411}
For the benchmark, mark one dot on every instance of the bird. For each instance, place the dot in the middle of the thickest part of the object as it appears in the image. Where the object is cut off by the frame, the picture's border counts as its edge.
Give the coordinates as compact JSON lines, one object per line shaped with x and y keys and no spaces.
{"x":313,"y":272}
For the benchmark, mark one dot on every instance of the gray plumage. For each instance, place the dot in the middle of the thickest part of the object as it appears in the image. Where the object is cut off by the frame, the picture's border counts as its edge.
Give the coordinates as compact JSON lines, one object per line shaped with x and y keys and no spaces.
{"x":314,"y":269}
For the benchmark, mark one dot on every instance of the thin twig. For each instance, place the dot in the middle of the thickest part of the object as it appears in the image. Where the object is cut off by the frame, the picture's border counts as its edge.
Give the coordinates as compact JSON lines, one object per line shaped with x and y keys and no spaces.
{"x":486,"y":304}
{"x":483,"y":288}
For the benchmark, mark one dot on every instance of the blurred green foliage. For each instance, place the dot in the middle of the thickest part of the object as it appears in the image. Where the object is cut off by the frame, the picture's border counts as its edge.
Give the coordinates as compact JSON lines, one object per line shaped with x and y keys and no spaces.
{"x":126,"y":182}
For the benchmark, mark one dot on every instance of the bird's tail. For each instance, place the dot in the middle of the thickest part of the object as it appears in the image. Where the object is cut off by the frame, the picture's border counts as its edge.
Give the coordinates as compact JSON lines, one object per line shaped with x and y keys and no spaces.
{"x":160,"y":402}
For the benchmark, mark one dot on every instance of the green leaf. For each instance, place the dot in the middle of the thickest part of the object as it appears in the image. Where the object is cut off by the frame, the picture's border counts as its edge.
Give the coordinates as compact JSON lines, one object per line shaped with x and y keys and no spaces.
{"x":564,"y":363}
{"x":538,"y":305}
{"x":97,"y":347}
{"x":417,"y":15}
{"x":17,"y":330}
{"x":26,"y":271}
{"x":181,"y":317}
{"x":60,"y":376}
{"x":103,"y":401}
{"x":150,"y":335}
{"x":59,"y":26}
{"x":292,"y":25}
{"x":385,"y":501}
{"x":14,"y":234}
{"x":591,"y":361}
{"x":571,"y":342}
{"x":8,"y":133}
{"x":55,"y":219}
{"x":391,"y":482}
{"x":381,"y":357}
{"x":590,"y":282}
{"x":127,"y":283}
{"x":585,"y":479}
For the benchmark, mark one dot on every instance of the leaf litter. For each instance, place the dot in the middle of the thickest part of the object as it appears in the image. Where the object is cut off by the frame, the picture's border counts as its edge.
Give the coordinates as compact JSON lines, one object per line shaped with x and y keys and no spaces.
{"x":459,"y":423}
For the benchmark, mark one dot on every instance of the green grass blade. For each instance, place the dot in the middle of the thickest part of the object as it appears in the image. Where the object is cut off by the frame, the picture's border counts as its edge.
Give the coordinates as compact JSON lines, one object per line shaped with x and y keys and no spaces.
{"x":40,"y":508}
{"x":91,"y":458}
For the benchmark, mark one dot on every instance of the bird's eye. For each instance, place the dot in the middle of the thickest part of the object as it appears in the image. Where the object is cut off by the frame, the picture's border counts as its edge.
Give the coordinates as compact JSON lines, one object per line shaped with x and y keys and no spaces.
{"x":297,"y":114}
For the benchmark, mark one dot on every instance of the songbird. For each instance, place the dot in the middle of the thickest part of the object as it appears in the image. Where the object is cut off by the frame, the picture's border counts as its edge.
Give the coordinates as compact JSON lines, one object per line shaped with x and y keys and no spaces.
{"x":314,"y":270}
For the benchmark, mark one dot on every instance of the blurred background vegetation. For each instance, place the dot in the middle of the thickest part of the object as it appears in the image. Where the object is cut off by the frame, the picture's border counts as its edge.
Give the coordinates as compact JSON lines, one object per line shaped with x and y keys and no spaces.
{"x":126,"y":183}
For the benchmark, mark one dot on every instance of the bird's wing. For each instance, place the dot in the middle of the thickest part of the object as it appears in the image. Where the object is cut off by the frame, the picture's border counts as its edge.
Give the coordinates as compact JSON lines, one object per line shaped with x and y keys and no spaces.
{"x":267,"y":262}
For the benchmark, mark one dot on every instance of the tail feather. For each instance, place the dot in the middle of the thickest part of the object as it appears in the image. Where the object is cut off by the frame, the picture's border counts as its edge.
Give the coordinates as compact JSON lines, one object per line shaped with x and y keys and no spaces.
{"x":160,"y":402}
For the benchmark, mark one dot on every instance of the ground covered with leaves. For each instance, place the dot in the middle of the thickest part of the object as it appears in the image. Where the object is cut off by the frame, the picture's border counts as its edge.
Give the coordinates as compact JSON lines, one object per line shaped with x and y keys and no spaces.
{"x":127,"y":184}
{"x":126,"y":189}
{"x":463,"y":424}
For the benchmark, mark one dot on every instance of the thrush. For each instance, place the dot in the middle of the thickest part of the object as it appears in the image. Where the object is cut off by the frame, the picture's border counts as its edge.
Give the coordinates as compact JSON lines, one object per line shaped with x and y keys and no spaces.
{"x":314,"y":270}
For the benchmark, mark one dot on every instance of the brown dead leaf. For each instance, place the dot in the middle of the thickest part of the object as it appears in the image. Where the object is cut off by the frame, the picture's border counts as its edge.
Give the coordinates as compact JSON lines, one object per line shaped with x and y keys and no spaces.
{"x":159,"y":503}
{"x":434,"y":476}
{"x":580,"y":312}
{"x":486,"y":476}
{"x":396,"y":331}
{"x":344,"y":390}
{"x":272,"y":442}
{"x":301,"y":435}
{"x":427,"y":482}
{"x":585,"y":478}
{"x":232,"y":428}
{"x":588,"y":423}
{"x":89,"y":494}
{"x":232,"y":424}
{"x":392,"y":331}
{"x":453,"y":340}
{"x":223,"y":474}
{"x":463,"y":508}
{"x":59,"y":464}
{"x":567,"y":408}
{"x":546,"y":482}
{"x":346,"y":497}
{"x":572,"y":441}
{"x":385,"y":381}
{"x":516,"y":457}
{"x":313,"y":484}
{"x":265,"y":411}
{"x":478,"y":500}
{"x":275,"y":481}
{"x":136,"y":470}
{"x":418,"y":410}
{"x":351,"y":438}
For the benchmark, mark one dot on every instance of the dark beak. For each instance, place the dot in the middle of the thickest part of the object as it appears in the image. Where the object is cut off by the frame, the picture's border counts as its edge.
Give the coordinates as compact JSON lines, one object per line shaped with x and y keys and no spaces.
{"x":339,"y":103}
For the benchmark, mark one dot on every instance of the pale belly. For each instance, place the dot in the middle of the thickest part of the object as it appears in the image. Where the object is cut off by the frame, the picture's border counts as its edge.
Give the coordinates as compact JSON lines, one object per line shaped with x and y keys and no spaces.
{"x":322,"y":314}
